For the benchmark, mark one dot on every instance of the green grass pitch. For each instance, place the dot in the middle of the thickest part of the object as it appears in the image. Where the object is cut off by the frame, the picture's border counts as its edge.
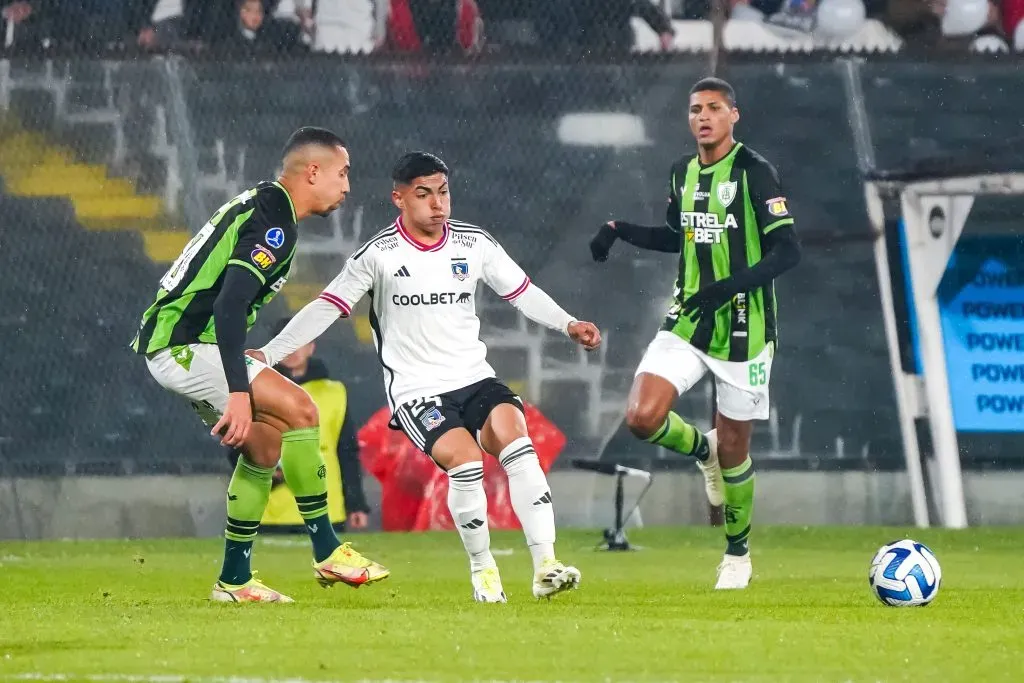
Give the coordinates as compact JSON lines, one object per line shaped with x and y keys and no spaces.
{"x":136,"y":611}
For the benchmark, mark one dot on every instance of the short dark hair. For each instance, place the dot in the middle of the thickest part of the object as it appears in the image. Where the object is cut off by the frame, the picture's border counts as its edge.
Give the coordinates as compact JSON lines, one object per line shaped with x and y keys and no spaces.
{"x":417,"y":164}
{"x":715,"y":85}
{"x":311,"y":135}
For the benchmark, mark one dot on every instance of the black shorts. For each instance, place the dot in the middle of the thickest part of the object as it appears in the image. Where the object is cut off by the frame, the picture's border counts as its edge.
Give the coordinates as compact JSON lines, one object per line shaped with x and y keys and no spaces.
{"x":425,"y":420}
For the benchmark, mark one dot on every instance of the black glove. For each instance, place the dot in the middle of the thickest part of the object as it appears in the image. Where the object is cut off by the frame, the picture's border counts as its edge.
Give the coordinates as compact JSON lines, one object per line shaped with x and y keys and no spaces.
{"x":708,"y":299}
{"x":602,"y":242}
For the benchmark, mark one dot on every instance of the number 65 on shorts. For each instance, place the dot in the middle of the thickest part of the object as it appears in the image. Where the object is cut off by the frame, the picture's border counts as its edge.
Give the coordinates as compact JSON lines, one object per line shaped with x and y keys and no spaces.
{"x":742,"y":388}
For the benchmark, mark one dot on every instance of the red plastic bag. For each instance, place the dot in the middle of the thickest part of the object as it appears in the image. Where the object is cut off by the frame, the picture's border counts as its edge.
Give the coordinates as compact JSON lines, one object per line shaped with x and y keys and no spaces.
{"x":415,"y":490}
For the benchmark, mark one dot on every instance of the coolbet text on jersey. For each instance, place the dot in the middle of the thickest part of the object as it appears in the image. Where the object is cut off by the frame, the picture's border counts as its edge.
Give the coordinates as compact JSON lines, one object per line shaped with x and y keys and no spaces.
{"x":423,"y":307}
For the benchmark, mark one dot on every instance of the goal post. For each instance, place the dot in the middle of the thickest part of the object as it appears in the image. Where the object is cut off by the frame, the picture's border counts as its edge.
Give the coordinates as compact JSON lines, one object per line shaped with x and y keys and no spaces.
{"x":918,"y":216}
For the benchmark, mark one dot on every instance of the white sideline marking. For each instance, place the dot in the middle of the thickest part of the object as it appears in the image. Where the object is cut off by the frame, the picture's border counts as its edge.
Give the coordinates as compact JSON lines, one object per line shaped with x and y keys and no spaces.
{"x":296,"y":543}
{"x":172,"y":678}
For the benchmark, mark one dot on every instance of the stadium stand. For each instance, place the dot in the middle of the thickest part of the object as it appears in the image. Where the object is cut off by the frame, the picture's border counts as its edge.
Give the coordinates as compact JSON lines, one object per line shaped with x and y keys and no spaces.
{"x":540,"y":194}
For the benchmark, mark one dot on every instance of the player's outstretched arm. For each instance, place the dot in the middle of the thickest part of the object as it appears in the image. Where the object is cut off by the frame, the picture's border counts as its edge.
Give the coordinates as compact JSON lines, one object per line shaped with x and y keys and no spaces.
{"x":308,"y":324}
{"x":654,"y":238}
{"x":538,"y":306}
{"x":502,"y":275}
{"x":665,"y":238}
{"x":337,"y":300}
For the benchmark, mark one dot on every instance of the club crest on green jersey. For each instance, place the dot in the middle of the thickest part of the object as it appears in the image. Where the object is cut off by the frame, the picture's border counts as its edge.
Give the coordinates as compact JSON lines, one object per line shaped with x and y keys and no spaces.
{"x":726,"y":192}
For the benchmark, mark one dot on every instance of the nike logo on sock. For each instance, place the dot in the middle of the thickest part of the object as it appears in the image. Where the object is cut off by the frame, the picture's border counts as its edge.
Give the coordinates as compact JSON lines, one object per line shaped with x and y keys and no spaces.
{"x":247,"y":552}
{"x":313,"y":528}
{"x":232,"y":497}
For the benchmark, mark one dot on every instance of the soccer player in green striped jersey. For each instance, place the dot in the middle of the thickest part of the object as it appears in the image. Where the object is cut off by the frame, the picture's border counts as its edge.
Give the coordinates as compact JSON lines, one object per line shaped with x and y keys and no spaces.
{"x":729,"y":220}
{"x":193,"y":338}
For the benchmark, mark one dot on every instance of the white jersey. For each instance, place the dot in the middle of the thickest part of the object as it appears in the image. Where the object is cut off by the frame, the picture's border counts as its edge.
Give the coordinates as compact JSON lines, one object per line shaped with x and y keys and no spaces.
{"x":423,"y":305}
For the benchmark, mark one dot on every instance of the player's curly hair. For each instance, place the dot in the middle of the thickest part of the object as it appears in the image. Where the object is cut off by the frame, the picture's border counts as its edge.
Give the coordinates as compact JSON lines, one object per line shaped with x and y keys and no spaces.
{"x":715,"y":85}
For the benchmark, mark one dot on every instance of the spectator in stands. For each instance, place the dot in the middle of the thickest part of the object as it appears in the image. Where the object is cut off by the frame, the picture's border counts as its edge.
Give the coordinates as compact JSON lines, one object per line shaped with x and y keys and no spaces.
{"x":599,"y":26}
{"x":345,"y":26}
{"x":920,"y":22}
{"x":190,"y":25}
{"x":80,"y":23}
{"x":434,"y":26}
{"x":254,"y":33}
{"x":916,"y":21}
{"x":301,"y":12}
{"x":346,"y":501}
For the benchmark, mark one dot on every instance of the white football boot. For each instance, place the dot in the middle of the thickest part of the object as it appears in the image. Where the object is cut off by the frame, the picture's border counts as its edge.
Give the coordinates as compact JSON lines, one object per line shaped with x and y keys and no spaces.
{"x":554,"y":577}
{"x":734,"y":573}
{"x":714,"y":485}
{"x":487,"y":586}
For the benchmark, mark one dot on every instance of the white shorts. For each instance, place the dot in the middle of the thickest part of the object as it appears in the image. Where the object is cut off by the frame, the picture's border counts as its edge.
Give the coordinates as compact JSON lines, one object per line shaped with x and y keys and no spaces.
{"x":742,"y":388}
{"x":195,"y":372}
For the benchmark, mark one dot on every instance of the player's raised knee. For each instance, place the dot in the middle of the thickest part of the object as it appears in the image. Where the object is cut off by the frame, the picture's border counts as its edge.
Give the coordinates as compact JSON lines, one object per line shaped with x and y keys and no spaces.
{"x":302,"y":411}
{"x":644,"y":419}
{"x":264,"y":453}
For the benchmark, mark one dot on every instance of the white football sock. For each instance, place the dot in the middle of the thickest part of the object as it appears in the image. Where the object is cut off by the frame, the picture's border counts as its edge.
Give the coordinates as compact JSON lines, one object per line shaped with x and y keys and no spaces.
{"x":468,"y":504}
{"x":531,"y":498}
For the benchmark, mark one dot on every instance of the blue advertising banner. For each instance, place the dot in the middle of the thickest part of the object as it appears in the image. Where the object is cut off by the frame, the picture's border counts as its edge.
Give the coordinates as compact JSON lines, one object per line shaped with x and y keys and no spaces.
{"x":981,"y":302}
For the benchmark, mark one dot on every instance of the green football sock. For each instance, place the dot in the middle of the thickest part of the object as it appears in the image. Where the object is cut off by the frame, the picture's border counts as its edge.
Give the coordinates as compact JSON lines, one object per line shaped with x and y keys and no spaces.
{"x":248,"y":494}
{"x":306,"y":474}
{"x":739,"y":506}
{"x":676,"y":435}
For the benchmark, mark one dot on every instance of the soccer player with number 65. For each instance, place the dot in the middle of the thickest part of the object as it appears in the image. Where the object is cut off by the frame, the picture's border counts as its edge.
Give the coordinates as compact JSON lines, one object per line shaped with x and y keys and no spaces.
{"x":729,"y":220}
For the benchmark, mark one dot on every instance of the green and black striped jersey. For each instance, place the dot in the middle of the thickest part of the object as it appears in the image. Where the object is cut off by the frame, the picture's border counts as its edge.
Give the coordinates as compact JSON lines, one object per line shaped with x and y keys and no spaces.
{"x":723,"y":212}
{"x":257,"y":231}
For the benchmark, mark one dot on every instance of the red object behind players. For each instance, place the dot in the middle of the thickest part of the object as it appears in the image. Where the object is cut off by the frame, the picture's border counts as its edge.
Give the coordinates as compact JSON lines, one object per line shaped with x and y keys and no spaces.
{"x":415,"y":490}
{"x":403,"y":37}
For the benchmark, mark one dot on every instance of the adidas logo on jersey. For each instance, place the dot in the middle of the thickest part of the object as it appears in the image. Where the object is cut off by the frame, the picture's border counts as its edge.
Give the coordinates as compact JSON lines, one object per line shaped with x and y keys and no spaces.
{"x":402,"y":272}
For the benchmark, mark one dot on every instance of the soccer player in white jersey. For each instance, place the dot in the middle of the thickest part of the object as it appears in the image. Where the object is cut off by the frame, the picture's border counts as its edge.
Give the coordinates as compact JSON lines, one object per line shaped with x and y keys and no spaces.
{"x":421,"y":274}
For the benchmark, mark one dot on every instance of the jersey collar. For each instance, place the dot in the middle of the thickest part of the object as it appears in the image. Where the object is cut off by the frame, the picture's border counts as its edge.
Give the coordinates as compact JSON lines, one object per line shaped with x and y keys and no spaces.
{"x":420,"y":245}
{"x":291,"y":204}
{"x":711,"y":167}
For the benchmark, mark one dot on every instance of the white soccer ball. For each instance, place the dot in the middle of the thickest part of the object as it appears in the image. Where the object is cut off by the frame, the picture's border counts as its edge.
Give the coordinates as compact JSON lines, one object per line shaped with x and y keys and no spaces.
{"x":905,"y":574}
